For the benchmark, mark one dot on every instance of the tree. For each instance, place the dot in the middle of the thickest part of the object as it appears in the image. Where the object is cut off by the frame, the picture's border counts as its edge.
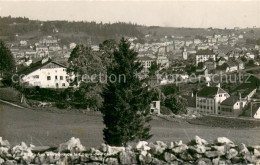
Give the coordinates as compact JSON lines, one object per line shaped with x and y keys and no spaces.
{"x":153,"y":69}
{"x":107,"y":48}
{"x":176,"y":103}
{"x":7,"y":62}
{"x":126,"y":103}
{"x":88,"y":66}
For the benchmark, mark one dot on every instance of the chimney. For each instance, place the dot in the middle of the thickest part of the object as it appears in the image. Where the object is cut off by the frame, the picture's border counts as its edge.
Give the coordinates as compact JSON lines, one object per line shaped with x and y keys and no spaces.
{"x":208,"y":84}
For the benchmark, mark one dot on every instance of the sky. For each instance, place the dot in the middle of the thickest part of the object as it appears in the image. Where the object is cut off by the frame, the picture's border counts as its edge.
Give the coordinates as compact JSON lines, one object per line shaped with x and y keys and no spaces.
{"x":176,"y":13}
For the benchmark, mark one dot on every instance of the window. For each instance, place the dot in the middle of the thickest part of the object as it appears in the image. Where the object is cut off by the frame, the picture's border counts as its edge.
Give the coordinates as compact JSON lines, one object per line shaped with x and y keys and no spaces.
{"x":56,"y":77}
{"x":48,"y":77}
{"x":61,"y":77}
{"x":63,"y":84}
{"x":36,"y":76}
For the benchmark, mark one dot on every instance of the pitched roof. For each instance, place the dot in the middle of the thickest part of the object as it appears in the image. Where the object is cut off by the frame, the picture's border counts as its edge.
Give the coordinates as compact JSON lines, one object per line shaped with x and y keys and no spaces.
{"x":145,"y":58}
{"x":230,"y":101}
{"x":210,"y":92}
{"x":222,"y":67}
{"x":33,"y":67}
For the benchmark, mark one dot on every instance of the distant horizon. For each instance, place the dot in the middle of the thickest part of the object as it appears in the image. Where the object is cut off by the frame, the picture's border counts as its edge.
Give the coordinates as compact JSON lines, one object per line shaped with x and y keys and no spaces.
{"x":176,"y":14}
{"x":133,"y":23}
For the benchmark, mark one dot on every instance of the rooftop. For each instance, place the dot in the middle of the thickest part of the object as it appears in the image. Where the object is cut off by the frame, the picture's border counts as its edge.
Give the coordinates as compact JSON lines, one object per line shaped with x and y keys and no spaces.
{"x":210,"y":92}
{"x":230,"y":101}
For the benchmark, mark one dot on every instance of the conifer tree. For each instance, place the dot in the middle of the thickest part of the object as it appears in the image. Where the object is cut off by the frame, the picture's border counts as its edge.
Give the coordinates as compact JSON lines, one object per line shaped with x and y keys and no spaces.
{"x":126,"y":101}
{"x":7,"y":60}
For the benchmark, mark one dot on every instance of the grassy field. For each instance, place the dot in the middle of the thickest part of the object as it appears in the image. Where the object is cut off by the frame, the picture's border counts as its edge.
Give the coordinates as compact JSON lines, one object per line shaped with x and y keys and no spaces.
{"x":47,"y":128}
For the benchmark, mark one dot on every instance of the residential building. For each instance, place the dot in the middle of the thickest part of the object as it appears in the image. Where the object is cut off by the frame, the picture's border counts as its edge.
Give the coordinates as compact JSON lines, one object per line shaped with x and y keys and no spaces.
{"x":163,"y":61}
{"x":48,"y":40}
{"x":232,"y":65}
{"x":257,"y":112}
{"x":232,"y":106}
{"x":146,"y":61}
{"x":155,"y":107}
{"x":46,"y":74}
{"x":209,"y":98}
{"x":203,"y":56}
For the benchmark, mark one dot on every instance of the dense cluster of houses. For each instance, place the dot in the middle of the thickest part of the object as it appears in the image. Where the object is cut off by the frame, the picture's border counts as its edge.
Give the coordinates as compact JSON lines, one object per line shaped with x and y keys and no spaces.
{"x":212,"y":55}
{"x":213,"y":100}
{"x":27,"y":52}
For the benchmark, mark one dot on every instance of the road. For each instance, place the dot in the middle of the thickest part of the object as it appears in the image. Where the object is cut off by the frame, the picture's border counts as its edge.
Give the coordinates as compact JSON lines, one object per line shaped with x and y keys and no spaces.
{"x":47,"y":128}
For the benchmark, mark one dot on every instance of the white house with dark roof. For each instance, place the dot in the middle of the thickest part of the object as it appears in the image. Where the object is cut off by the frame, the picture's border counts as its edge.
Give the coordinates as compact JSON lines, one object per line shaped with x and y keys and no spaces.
{"x":46,"y":74}
{"x":209,"y":98}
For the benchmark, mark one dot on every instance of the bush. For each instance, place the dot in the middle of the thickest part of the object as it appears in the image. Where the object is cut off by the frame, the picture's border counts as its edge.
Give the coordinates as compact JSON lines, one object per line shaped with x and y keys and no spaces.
{"x":166,"y":111}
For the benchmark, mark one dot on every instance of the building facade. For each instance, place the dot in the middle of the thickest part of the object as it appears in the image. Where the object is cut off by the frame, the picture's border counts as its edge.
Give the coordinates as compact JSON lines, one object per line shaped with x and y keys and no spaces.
{"x":209,"y":98}
{"x":46,"y":75}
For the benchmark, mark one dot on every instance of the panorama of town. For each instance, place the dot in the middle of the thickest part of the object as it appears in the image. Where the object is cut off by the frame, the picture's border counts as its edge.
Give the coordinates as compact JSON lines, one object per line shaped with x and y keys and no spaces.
{"x":120,"y":84}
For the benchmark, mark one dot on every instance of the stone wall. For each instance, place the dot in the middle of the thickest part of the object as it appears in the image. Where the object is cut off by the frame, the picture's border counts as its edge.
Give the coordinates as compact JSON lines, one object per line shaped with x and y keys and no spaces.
{"x":197,"y":151}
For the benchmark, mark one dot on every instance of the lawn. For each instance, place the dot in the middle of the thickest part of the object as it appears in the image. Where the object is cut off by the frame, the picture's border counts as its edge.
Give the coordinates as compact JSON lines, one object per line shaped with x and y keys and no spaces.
{"x":48,"y":128}
{"x":221,"y":122}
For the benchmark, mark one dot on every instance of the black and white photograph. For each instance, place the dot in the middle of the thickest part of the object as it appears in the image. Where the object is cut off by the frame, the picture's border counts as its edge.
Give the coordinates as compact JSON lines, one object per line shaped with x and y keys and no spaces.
{"x":122,"y":82}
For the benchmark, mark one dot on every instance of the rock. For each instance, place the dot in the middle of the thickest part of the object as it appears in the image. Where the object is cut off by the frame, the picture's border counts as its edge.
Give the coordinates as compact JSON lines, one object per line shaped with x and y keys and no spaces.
{"x":1,"y":160}
{"x":169,"y":157}
{"x":112,"y":161}
{"x":242,"y":149}
{"x":198,"y":148}
{"x":73,"y":146}
{"x":142,"y":146}
{"x":10,"y":162}
{"x":204,"y":161}
{"x":128,"y":148}
{"x":215,"y":161}
{"x":3,"y":151}
{"x":186,"y":156}
{"x":4,"y":143}
{"x":103,"y":147}
{"x":22,"y":152}
{"x":213,"y":154}
{"x":157,"y":161}
{"x":221,"y":149}
{"x":145,"y":158}
{"x":256,"y":152}
{"x":170,"y":145}
{"x":199,"y":141}
{"x":96,"y":155}
{"x":237,"y":160}
{"x":128,"y":157}
{"x":114,"y":150}
{"x":251,"y":158}
{"x":158,"y":147}
{"x":231,"y":153}
{"x":180,"y":149}
{"x":178,"y":143}
{"x":223,"y":140}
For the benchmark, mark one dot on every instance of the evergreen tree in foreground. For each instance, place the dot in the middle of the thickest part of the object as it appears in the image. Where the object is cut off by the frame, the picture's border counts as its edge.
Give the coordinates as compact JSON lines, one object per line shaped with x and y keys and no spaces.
{"x":7,"y":60}
{"x":7,"y":63}
{"x":126,"y":103}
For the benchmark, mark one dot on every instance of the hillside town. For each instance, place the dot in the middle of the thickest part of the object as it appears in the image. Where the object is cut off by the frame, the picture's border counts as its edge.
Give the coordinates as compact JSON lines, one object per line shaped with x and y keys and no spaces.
{"x":129,"y":82}
{"x":44,"y":64}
